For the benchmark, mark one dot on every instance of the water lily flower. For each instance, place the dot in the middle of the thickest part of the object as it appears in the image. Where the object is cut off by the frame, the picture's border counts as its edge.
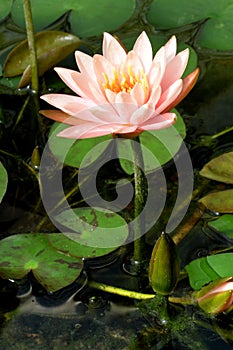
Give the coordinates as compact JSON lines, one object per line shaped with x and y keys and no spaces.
{"x":122,"y":92}
{"x":216,"y":297}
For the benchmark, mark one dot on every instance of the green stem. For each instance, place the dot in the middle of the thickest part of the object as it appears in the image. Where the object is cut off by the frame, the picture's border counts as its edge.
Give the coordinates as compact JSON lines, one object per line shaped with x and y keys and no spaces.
{"x":31,"y":44}
{"x":119,"y":291}
{"x":139,"y":201}
{"x":221,"y":133}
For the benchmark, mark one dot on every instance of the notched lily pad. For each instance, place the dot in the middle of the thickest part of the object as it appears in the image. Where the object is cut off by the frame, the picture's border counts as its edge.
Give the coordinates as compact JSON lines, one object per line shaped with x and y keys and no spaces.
{"x":220,"y":168}
{"x":221,"y":201}
{"x":94,"y":228}
{"x":22,"y":253}
{"x":3,"y":181}
{"x":52,"y":47}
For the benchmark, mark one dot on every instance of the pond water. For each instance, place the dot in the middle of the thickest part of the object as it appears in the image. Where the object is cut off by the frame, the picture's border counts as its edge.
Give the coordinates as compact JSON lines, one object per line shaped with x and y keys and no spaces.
{"x":76,"y":314}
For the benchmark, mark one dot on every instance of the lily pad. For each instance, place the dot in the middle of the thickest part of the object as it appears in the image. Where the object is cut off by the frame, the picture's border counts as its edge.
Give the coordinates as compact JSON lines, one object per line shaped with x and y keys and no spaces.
{"x":44,"y":12}
{"x":204,"y":270}
{"x":22,"y":253}
{"x":224,"y":224}
{"x":158,"y":147}
{"x":5,"y":7}
{"x":69,"y":246}
{"x":220,"y":168}
{"x":94,"y":228}
{"x":215,"y":33}
{"x":221,"y":201}
{"x":90,"y":18}
{"x":52,"y":47}
{"x":72,"y":152}
{"x":3,"y":181}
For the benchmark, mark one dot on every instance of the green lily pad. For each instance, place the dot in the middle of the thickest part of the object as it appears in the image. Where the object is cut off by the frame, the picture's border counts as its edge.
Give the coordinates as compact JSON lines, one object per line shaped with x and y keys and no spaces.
{"x":221,"y":202}
{"x":69,"y":246}
{"x":72,"y":152}
{"x":5,"y":7}
{"x":44,"y":12}
{"x":52,"y":47}
{"x":90,"y":17}
{"x":220,"y":168}
{"x":87,"y":17}
{"x":22,"y":253}
{"x":94,"y":228}
{"x":204,"y":270}
{"x":3,"y":181}
{"x":215,"y":33}
{"x":158,"y":147}
{"x":224,"y":224}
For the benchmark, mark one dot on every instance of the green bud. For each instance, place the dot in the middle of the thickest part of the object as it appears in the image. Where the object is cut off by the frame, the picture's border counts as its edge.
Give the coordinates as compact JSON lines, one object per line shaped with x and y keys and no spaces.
{"x":164,"y":266}
{"x":35,"y":158}
{"x":217,"y":296}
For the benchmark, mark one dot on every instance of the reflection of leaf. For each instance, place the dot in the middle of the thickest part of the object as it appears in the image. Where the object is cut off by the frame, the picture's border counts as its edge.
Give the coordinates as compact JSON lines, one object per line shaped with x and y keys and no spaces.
{"x":52,"y":47}
{"x":94,"y":227}
{"x":204,"y":270}
{"x":72,"y":152}
{"x":160,"y":146}
{"x":3,"y":181}
{"x":220,"y":168}
{"x":221,"y":201}
{"x":224,"y":224}
{"x":216,"y":32}
{"x":22,"y":253}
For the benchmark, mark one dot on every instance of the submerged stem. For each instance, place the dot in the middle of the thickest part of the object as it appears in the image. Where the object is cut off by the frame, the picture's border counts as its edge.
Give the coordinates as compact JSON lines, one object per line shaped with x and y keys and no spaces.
{"x":31,"y":44}
{"x":139,"y":201}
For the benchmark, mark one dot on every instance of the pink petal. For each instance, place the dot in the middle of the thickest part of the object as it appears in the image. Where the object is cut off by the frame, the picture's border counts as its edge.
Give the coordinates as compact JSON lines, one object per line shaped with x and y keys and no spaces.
{"x":188,"y":84}
{"x":138,"y":94}
{"x":111,"y":96}
{"x":143,"y":49}
{"x":60,"y":117}
{"x":175,"y":69}
{"x":125,"y":106}
{"x":169,"y":96}
{"x":170,"y":49}
{"x":81,"y":84}
{"x":154,"y":96}
{"x":141,"y":115}
{"x":72,"y":105}
{"x":94,"y":130}
{"x":102,"y":66}
{"x":156,"y":73}
{"x":159,"y":122}
{"x":112,"y":50}
{"x":134,"y":62}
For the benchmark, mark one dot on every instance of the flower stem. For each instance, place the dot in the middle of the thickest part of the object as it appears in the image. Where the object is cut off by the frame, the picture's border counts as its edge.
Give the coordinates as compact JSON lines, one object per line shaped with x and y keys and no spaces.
{"x":139,"y":201}
{"x":119,"y":291}
{"x":31,"y":44}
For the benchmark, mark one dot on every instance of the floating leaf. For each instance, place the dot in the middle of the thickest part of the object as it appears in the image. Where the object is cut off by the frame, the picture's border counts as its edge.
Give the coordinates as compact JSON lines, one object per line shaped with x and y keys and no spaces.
{"x":5,"y":7}
{"x":204,"y":270}
{"x":52,"y":47}
{"x":220,"y":168}
{"x":22,"y":253}
{"x":90,"y":18}
{"x":44,"y":12}
{"x":70,"y":247}
{"x":224,"y":224}
{"x":72,"y":152}
{"x":221,"y":202}
{"x":158,"y":147}
{"x":93,"y":227}
{"x":3,"y":181}
{"x":215,"y":33}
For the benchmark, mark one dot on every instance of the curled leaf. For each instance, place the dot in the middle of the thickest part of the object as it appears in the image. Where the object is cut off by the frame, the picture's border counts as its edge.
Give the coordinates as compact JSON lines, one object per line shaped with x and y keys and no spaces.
{"x":220,"y":168}
{"x":51,"y":47}
{"x":221,"y":201}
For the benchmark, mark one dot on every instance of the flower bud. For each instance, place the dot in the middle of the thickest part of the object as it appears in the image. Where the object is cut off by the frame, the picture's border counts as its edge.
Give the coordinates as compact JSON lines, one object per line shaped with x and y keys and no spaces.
{"x":164,"y":265}
{"x":217,"y":296}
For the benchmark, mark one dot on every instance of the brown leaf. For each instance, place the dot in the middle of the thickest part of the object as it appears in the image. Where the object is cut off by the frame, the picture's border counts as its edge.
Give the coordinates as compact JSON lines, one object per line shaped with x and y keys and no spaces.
{"x":220,"y":168}
{"x":221,"y":202}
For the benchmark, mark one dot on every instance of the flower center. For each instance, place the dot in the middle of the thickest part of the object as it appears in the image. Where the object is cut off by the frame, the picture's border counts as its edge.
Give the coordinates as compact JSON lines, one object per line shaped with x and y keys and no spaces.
{"x":125,"y":80}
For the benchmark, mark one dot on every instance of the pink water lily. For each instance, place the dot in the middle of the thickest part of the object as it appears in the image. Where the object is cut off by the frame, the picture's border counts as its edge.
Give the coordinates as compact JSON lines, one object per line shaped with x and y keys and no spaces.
{"x":122,"y":92}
